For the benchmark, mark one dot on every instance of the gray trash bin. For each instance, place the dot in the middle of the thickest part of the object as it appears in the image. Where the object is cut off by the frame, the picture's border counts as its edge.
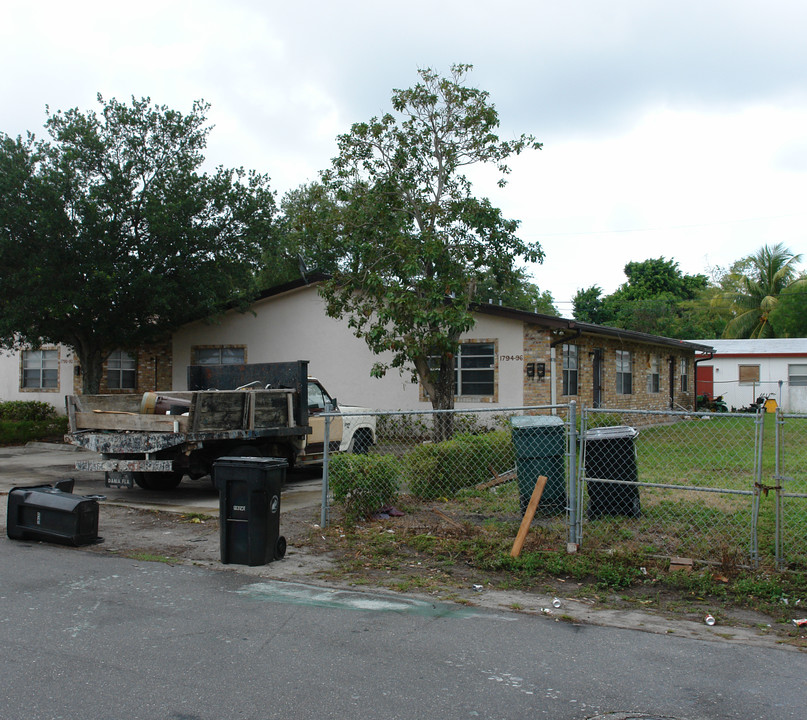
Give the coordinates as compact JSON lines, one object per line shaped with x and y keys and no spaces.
{"x":611,"y":455}
{"x":249,"y":509}
{"x":540,"y":446}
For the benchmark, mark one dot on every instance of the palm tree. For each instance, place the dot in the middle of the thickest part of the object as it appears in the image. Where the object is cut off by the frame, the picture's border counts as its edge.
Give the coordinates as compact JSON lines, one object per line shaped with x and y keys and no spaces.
{"x":772,"y":270}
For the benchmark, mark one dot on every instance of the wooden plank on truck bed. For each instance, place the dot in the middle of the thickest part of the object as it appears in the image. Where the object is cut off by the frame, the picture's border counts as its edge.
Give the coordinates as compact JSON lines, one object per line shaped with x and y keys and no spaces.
{"x":121,"y":421}
{"x":219,"y":411}
{"x":273,"y":408}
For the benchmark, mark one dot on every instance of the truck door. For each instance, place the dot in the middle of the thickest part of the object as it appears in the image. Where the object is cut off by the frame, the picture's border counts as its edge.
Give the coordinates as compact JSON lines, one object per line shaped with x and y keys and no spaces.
{"x":318,"y":402}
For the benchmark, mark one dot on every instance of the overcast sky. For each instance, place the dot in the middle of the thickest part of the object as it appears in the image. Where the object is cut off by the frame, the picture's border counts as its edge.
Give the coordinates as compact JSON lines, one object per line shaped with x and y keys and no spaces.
{"x":675,"y":129}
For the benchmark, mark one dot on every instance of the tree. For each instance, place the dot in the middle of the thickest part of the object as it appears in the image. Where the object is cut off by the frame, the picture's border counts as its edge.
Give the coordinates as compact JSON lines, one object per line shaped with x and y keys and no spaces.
{"x":587,"y":305}
{"x":111,"y":236}
{"x":409,"y":239}
{"x":514,"y":290}
{"x":772,"y":272}
{"x":651,"y":300}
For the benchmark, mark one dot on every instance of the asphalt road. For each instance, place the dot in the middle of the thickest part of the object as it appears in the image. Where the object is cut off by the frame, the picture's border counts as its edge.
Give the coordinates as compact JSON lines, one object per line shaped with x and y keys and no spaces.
{"x":85,"y":635}
{"x":45,"y":463}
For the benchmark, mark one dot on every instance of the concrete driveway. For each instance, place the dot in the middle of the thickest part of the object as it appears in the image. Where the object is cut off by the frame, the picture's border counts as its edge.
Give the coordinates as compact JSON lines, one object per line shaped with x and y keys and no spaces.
{"x":46,"y":463}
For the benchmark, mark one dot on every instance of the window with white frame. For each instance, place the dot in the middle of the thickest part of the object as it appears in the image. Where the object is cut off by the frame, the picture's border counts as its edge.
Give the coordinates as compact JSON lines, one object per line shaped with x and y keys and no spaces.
{"x":221,"y":355}
{"x":474,"y":366}
{"x":684,"y":375}
{"x":474,"y":369}
{"x":624,"y":377}
{"x":121,"y":371}
{"x":654,"y":375}
{"x":569,"y":369}
{"x":40,"y":369}
{"x":797,"y":375}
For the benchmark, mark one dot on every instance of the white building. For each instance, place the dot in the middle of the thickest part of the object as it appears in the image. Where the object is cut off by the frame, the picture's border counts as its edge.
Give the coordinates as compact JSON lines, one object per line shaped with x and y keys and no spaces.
{"x":742,"y":370}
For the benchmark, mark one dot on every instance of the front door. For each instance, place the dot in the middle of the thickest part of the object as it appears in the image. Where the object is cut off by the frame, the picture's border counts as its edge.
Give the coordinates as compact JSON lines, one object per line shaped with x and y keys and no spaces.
{"x":596,"y":397}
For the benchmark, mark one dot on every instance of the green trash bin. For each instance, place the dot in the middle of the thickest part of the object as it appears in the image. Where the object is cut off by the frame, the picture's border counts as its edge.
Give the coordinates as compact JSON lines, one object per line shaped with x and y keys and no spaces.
{"x":540,"y":446}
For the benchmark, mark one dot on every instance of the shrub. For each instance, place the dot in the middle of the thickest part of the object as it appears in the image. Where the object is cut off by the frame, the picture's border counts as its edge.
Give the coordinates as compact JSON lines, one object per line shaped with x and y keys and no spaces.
{"x":363,"y":484}
{"x":19,"y":433}
{"x":26,"y":410}
{"x":441,"y":469}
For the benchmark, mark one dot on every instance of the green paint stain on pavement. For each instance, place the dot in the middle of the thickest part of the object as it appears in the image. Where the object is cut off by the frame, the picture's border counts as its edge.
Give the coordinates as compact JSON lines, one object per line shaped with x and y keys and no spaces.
{"x":308,"y":595}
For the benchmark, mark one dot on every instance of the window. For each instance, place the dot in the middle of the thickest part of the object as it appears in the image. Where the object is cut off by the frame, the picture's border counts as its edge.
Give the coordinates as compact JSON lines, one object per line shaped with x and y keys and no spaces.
{"x":748,"y":374}
{"x":684,"y":375}
{"x":474,"y":369}
{"x":225,"y":355}
{"x":121,"y":371}
{"x":318,"y":400}
{"x":474,"y":364}
{"x":797,"y":375}
{"x":624,"y":379}
{"x":654,"y":375}
{"x":40,"y":369}
{"x":570,"y":369}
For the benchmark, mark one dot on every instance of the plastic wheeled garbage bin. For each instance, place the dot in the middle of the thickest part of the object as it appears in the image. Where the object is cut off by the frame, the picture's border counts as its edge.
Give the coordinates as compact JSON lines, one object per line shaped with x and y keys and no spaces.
{"x":52,"y":514}
{"x":611,"y":455}
{"x":249,"y":509}
{"x":540,"y":446}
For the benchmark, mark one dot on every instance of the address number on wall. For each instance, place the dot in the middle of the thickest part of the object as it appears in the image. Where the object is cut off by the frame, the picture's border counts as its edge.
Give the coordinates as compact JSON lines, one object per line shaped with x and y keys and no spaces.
{"x":510,"y":358}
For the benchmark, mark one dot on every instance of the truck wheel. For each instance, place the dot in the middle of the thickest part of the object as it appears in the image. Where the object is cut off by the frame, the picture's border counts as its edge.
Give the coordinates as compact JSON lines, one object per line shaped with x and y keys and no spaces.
{"x":362,"y":441}
{"x":157,"y":481}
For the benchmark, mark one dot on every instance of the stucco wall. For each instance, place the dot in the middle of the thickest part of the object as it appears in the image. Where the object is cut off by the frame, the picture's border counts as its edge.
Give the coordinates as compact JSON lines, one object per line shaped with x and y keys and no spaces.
{"x":294,"y":326}
{"x":11,"y":379}
{"x":771,"y":371}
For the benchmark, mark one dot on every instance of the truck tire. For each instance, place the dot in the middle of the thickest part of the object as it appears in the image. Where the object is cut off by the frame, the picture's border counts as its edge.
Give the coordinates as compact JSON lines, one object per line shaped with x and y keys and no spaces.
{"x":157,"y":481}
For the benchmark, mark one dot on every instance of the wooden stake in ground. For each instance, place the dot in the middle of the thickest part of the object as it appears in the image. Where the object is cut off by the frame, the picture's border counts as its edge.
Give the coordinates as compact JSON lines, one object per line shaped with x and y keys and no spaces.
{"x":526,"y":521}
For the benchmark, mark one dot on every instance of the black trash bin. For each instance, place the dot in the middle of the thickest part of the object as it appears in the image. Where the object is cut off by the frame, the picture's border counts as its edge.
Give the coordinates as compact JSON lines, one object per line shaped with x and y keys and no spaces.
{"x":611,"y":455}
{"x":249,"y":509}
{"x":52,"y":514}
{"x":540,"y":445}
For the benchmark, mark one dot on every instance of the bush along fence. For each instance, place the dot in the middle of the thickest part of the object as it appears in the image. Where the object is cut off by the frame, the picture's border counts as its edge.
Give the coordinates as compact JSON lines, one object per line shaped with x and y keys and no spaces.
{"x":724,"y":488}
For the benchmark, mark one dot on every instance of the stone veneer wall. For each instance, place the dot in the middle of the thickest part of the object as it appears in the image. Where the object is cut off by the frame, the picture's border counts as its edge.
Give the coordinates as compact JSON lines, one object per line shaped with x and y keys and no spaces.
{"x":538,"y":392}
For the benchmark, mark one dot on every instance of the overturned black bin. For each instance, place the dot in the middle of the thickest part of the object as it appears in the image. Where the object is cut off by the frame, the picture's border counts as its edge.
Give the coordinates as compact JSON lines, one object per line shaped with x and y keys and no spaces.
{"x":611,"y":455}
{"x":52,"y":514}
{"x":249,"y":509}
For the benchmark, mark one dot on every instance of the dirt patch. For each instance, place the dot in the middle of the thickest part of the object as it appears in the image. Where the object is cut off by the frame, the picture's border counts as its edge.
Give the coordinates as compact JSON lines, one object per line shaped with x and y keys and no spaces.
{"x":194,"y":538}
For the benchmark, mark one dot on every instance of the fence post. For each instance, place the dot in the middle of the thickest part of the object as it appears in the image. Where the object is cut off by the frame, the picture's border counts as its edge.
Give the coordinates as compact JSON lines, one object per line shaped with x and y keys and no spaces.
{"x":323,"y":514}
{"x":778,"y":477}
{"x":758,"y":447}
{"x":573,"y":507}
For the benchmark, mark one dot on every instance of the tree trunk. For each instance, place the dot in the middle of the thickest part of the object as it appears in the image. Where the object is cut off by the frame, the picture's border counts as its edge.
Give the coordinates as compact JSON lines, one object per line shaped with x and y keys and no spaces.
{"x":439,"y":386}
{"x":91,"y":361}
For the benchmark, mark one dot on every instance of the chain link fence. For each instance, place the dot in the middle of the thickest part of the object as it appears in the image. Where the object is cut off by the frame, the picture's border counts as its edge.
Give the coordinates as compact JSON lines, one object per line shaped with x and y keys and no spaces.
{"x":461,"y":467}
{"x":673,"y":484}
{"x":790,"y":485}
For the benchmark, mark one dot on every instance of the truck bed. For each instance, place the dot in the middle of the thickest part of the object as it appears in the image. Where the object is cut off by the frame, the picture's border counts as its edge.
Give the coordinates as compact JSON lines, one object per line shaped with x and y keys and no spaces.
{"x":208,"y":412}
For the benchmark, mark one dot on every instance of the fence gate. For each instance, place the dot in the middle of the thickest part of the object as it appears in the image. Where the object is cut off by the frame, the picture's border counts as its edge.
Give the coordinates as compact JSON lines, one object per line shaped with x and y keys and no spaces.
{"x":672,"y":484}
{"x":790,"y":485}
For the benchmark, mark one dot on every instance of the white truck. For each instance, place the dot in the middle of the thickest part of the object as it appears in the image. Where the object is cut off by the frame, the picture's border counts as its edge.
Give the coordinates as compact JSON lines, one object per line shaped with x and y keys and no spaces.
{"x":155,"y":439}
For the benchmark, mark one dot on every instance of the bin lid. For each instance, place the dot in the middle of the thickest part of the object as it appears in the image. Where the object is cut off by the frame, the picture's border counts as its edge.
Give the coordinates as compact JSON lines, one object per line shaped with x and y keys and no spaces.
{"x":613,"y":432}
{"x":531,"y":421}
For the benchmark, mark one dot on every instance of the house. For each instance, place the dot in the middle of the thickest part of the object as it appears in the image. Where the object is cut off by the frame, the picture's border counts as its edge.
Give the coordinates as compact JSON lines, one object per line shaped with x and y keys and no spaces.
{"x":510,"y":358}
{"x":743,"y":370}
